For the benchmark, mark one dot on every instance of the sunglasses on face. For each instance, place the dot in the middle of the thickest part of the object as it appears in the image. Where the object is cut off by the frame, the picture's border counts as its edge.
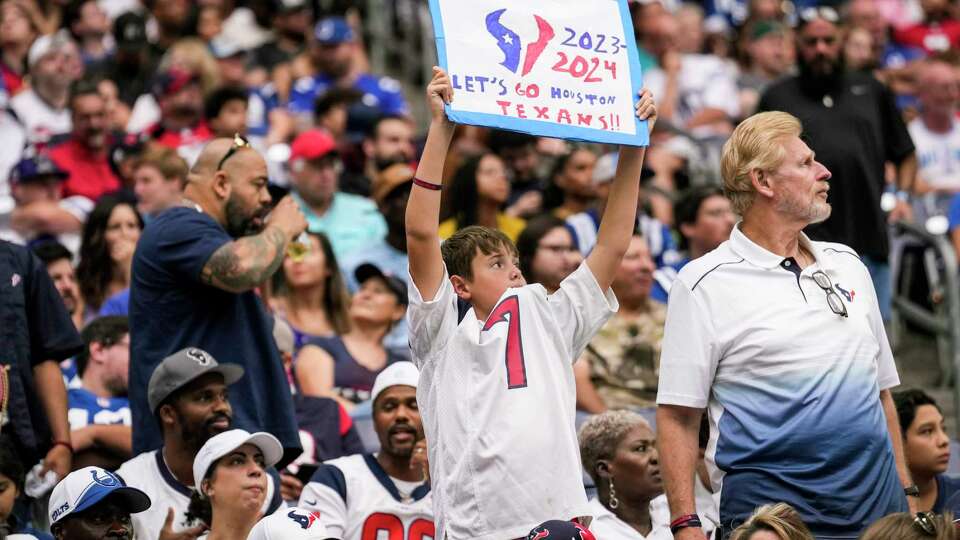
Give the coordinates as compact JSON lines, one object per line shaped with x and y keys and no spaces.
{"x":238,"y":143}
{"x":833,"y":299}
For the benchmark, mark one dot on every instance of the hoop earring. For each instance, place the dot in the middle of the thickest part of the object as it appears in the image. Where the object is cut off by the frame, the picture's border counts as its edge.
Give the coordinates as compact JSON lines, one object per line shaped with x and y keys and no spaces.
{"x":613,"y":502}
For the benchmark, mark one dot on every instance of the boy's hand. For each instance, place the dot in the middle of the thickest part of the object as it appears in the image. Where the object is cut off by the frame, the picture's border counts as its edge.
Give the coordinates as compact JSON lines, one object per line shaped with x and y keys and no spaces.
{"x":439,"y":93}
{"x":647,"y":109}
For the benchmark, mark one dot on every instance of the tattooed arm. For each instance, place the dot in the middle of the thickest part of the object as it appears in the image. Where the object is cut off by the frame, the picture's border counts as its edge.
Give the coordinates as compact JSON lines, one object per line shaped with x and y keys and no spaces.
{"x":243,"y":264}
{"x":247,"y":262}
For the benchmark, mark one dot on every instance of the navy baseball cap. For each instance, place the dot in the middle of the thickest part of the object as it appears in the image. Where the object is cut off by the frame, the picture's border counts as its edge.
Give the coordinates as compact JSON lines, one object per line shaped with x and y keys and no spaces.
{"x":560,"y":530}
{"x":34,"y":168}
{"x":396,"y":285}
{"x":333,"y":31}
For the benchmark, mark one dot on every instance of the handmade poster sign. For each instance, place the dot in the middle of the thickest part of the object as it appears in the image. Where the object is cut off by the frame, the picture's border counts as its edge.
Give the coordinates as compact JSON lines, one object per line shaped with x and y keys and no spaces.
{"x":558,"y":68}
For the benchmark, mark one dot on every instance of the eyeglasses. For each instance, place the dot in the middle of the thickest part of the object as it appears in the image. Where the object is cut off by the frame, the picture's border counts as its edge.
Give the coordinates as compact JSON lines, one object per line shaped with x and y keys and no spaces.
{"x":813,"y":13}
{"x":238,"y":143}
{"x":833,"y":299}
{"x":924,"y":522}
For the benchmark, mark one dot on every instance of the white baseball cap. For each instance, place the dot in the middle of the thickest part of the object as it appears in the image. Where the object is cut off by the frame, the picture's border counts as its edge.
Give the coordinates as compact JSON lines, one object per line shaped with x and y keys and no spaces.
{"x":228,"y":441}
{"x":84,"y":488}
{"x":290,"y":524}
{"x":400,"y":373}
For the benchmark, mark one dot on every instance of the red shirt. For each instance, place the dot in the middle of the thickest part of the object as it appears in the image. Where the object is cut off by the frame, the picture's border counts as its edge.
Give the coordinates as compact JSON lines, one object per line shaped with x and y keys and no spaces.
{"x":12,"y":80}
{"x":90,"y":173}
{"x":931,"y":37}
{"x":196,"y":135}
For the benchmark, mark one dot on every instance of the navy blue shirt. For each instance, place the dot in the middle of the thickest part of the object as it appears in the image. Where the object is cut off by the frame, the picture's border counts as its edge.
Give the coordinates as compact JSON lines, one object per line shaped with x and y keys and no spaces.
{"x":34,"y":328}
{"x":170,"y":309}
{"x":948,"y":495}
{"x":351,"y":380}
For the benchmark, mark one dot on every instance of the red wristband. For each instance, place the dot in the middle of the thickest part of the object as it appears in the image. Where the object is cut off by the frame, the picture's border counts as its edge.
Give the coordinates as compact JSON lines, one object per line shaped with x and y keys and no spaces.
{"x":62,"y":443}
{"x":427,"y":185}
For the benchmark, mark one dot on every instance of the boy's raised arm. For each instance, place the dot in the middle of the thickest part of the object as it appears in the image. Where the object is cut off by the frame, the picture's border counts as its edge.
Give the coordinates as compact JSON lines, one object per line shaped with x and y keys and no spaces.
{"x":423,"y":207}
{"x":620,"y":214}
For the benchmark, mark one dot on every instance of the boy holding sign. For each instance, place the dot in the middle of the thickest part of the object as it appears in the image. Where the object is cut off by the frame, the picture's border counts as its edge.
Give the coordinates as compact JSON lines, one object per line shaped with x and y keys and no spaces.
{"x":496,"y":388}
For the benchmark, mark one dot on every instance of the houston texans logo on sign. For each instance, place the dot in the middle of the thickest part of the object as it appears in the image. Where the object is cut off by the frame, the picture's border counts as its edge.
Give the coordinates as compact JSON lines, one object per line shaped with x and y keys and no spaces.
{"x":511,"y":44}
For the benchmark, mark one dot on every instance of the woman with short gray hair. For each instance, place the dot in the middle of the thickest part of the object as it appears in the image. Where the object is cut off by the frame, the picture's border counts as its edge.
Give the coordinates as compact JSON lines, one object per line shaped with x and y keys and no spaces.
{"x":618,"y":451}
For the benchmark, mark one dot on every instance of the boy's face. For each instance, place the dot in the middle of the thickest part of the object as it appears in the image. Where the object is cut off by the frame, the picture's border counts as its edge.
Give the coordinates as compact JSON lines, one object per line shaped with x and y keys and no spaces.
{"x":492,"y":275}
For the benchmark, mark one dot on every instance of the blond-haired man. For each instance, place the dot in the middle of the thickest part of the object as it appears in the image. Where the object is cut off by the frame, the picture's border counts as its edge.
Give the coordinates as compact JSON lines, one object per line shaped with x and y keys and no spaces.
{"x":780,"y":339}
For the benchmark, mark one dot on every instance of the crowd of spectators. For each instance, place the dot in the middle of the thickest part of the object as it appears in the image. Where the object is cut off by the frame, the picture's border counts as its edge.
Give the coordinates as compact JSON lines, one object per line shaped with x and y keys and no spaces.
{"x":210,"y":369}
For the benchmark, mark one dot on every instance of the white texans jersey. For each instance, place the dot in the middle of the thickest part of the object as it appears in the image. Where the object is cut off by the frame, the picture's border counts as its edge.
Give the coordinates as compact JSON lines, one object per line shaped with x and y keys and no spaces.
{"x":497,"y":399}
{"x":357,"y":500}
{"x":149,"y":473}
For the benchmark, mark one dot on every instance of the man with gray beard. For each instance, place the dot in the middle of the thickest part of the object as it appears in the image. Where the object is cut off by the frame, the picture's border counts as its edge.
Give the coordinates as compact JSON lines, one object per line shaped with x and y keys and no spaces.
{"x":194,"y":274}
{"x":855,"y":128}
{"x":780,"y":339}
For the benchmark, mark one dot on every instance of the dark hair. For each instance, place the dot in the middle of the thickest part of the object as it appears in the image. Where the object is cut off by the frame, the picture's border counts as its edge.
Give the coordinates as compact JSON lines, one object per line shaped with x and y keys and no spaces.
{"x":333,"y":98}
{"x":553,"y":194}
{"x":200,"y":510}
{"x":335,"y":296}
{"x":375,"y":126}
{"x":529,"y":241}
{"x":106,"y":331}
{"x":500,"y":140}
{"x":10,"y":464}
{"x":219,"y":98}
{"x":95,"y":269}
{"x":687,"y":207}
{"x":463,"y":195}
{"x":459,"y":250}
{"x":907,"y":403}
{"x":51,"y":251}
{"x":86,"y":86}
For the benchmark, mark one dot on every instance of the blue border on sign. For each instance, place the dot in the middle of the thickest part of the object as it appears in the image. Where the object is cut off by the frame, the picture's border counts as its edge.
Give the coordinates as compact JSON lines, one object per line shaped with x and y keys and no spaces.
{"x":550,"y":129}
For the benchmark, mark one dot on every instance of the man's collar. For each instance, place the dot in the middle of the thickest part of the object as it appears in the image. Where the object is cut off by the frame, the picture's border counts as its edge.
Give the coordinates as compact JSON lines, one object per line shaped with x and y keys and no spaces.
{"x":760,"y":257}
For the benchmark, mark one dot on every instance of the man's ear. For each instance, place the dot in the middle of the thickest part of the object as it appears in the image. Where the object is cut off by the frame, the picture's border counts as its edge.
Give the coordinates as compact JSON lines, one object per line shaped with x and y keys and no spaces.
{"x":761,"y":182}
{"x":461,"y":287}
{"x":96,"y":352}
{"x":206,"y":488}
{"x":167,"y":414}
{"x":686,"y":229}
{"x":221,"y":185}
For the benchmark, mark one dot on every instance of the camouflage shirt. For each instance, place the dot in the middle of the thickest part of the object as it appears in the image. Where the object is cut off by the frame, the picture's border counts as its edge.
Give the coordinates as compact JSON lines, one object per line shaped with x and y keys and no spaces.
{"x":624,"y":358}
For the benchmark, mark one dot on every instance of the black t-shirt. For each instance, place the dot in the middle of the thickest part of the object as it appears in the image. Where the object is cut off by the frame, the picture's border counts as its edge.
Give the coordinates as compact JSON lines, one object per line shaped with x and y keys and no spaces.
{"x":853,"y":138}
{"x":34,"y":327}
{"x":170,"y":309}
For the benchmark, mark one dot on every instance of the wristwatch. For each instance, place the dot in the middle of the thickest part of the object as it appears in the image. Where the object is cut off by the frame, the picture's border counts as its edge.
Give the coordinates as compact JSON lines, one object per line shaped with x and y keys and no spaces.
{"x":911,"y":491}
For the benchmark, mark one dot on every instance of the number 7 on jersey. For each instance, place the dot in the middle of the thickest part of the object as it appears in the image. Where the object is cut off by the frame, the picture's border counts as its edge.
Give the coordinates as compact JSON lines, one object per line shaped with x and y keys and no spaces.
{"x":509,"y":311}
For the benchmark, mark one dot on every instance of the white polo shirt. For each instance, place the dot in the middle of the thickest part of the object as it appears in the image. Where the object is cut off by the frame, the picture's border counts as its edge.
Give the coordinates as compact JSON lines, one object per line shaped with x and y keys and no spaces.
{"x":791,"y":387}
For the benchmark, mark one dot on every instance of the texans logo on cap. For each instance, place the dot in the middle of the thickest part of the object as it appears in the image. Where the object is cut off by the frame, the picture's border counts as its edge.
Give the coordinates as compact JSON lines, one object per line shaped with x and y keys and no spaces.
{"x":199,"y":356}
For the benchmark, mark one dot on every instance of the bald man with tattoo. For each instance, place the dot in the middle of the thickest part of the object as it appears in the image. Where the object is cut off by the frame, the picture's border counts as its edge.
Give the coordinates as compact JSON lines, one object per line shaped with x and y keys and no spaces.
{"x":194,"y":275}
